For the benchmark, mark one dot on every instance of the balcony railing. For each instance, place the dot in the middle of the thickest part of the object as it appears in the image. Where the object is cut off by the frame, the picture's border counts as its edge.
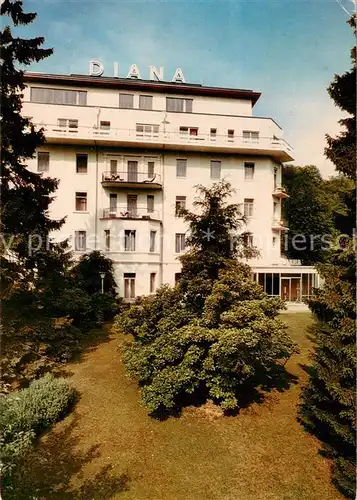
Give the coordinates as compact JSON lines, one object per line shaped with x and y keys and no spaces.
{"x":162,"y":137}
{"x":125,"y":212}
{"x":147,"y":179}
{"x":279,"y":225}
{"x":280,"y":192}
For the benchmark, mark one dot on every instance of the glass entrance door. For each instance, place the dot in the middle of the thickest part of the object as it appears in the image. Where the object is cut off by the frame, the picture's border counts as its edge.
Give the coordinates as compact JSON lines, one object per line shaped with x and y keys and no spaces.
{"x":290,"y":289}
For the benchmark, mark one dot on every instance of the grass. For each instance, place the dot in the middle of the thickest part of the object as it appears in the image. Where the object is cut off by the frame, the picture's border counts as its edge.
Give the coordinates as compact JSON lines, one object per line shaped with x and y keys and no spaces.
{"x":110,"y":448}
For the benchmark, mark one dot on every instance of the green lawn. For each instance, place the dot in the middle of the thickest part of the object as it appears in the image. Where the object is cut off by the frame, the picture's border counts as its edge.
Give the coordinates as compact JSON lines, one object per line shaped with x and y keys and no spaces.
{"x":110,"y":448}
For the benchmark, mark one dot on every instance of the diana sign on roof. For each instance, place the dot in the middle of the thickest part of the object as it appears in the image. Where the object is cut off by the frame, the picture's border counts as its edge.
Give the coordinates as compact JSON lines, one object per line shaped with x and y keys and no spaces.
{"x":96,"y":68}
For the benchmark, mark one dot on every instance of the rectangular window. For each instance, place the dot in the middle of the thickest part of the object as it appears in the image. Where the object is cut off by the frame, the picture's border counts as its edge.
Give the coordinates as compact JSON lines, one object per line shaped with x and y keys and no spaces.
{"x":68,"y":123}
{"x":248,"y":207}
{"x":177,"y":277}
{"x":80,"y":241}
{"x":126,"y":101}
{"x":152,"y":282}
{"x":43,"y":161}
{"x":113,"y":204}
{"x":147,"y":130}
{"x":275,"y":176}
{"x":274,"y":241}
{"x":58,"y":96}
{"x":151,"y":169}
{"x":129,"y":240}
{"x":132,"y":205}
{"x":152,"y":241}
{"x":248,"y":240}
{"x":230,"y":135}
{"x":132,"y":171}
{"x":177,"y":105}
{"x":81,"y":163}
{"x":150,"y":200}
{"x":188,"y":105}
{"x":129,"y":285}
{"x":215,"y":169}
{"x":213,"y":133}
{"x":104,"y":125}
{"x":107,"y":239}
{"x":275,"y":209}
{"x":251,"y":134}
{"x":180,"y":243}
{"x":113,"y":166}
{"x":191,"y":131}
{"x":181,"y":168}
{"x":81,"y":202}
{"x":145,"y":102}
{"x":249,"y":171}
{"x":180,"y":204}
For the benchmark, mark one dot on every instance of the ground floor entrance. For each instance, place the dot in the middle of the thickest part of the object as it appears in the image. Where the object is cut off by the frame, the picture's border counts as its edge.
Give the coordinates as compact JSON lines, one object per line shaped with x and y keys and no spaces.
{"x":290,"y":285}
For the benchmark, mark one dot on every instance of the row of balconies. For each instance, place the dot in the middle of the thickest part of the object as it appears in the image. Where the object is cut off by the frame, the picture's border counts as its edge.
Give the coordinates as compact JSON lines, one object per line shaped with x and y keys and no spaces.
{"x":272,"y":146}
{"x":143,"y":213}
{"x":148,"y":180}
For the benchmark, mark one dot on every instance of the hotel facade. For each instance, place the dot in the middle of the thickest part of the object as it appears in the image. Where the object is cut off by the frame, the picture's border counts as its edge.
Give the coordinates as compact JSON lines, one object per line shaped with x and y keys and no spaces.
{"x":128,"y":152}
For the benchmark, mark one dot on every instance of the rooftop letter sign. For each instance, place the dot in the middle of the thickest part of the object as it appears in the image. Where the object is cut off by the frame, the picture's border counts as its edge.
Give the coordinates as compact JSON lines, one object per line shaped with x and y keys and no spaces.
{"x":96,"y":68}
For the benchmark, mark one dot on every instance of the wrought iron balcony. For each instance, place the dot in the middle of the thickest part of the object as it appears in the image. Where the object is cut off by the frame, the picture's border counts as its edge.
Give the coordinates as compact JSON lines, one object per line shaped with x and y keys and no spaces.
{"x":125,"y":212}
{"x":132,"y":178}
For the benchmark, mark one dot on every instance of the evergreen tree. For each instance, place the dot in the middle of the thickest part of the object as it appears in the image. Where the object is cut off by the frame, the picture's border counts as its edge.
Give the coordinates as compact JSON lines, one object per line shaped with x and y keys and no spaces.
{"x":25,"y":195}
{"x":328,"y":407}
{"x":216,"y":334}
{"x":215,"y":238}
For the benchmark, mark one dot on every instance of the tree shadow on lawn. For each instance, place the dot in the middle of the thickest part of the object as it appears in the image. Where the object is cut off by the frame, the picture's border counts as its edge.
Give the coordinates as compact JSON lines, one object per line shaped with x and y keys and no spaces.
{"x":254,"y":391}
{"x":309,"y":369}
{"x":48,"y":470}
{"x":88,"y":342}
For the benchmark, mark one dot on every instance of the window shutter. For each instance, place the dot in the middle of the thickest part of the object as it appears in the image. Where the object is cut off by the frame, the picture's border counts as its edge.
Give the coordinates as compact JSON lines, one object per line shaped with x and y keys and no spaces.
{"x":145,"y":102}
{"x":126,"y":101}
{"x":181,"y":168}
{"x":215,"y":169}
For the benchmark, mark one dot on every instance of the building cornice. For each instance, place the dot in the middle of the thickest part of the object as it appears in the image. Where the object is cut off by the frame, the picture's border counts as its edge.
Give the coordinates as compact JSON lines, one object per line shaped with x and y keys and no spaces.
{"x":142,"y":85}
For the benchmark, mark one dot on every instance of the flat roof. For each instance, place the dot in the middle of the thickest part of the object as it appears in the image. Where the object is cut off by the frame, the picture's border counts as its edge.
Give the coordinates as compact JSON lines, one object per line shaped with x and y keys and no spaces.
{"x":143,"y":85}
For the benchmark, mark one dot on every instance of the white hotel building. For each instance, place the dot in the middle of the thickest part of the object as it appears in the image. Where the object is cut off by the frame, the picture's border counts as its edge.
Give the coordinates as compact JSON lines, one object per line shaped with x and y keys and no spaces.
{"x":128,"y":151}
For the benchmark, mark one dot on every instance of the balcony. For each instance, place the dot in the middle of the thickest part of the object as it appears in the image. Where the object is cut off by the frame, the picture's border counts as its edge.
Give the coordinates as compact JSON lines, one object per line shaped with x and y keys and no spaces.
{"x":262,"y":145}
{"x":279,"y":225}
{"x":132,"y":179}
{"x":280,"y":192}
{"x":133,"y":213}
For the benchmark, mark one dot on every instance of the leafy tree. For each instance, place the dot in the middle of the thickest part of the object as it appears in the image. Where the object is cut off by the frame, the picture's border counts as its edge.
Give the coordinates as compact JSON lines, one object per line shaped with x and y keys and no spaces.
{"x":86,"y":273}
{"x":328,"y":407}
{"x":216,"y":334}
{"x":309,"y":212}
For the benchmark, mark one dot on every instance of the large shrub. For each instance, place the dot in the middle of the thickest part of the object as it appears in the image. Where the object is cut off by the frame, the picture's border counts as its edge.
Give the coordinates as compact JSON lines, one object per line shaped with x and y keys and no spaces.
{"x":234,"y":345}
{"x":24,"y":414}
{"x":216,"y":333}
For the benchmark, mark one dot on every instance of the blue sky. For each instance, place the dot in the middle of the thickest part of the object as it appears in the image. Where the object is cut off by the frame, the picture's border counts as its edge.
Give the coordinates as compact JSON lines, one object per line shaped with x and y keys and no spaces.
{"x":287,"y":49}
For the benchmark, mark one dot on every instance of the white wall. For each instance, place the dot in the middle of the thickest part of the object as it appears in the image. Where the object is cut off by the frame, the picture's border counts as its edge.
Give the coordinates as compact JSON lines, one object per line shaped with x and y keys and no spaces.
{"x":110,"y":98}
{"x":165,"y":260}
{"x":209,"y":112}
